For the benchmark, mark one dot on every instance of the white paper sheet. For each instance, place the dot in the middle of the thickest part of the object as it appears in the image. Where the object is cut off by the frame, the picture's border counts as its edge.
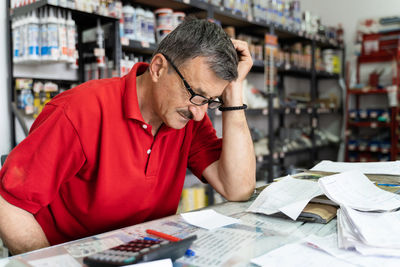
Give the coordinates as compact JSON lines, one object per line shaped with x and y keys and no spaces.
{"x":159,"y":263}
{"x":289,"y":196}
{"x":376,"y":229}
{"x":64,"y":260}
{"x":388,"y":167}
{"x":348,"y":238}
{"x":298,"y":254}
{"x":355,"y":190}
{"x":329,"y":245}
{"x":208,"y":219}
{"x":3,"y":262}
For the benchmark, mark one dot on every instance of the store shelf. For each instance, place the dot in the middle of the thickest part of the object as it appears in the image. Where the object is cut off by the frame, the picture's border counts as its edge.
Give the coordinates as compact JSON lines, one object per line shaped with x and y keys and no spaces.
{"x":327,"y":75}
{"x":375,"y":58}
{"x":83,"y":19}
{"x":304,"y":73}
{"x":181,"y":5}
{"x":138,"y":47}
{"x":379,"y":150}
{"x":367,"y":91}
{"x":258,"y":66}
{"x":309,"y":149}
{"x":325,"y":111}
{"x":295,"y":72}
{"x":370,"y":124}
{"x":294,"y":111}
{"x":61,"y":81}
{"x":21,"y":117}
{"x":298,"y":151}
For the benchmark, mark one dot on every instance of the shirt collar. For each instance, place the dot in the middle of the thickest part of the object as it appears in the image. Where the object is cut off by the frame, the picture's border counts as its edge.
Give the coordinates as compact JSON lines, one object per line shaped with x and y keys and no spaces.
{"x":131,"y":103}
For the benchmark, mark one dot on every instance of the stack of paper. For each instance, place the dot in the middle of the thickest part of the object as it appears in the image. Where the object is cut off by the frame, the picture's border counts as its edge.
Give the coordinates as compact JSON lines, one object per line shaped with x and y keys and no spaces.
{"x":353,"y":189}
{"x":370,"y":233}
{"x":366,"y":221}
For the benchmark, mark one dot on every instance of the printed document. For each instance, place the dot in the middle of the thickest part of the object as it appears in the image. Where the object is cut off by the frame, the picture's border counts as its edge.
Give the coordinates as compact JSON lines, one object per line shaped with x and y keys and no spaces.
{"x":355,"y":190}
{"x":388,"y":167}
{"x":288,"y":196}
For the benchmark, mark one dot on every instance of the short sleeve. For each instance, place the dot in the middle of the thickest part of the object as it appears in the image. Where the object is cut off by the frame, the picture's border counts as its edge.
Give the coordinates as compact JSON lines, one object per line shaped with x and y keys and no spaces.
{"x":205,"y":147}
{"x":46,"y":158}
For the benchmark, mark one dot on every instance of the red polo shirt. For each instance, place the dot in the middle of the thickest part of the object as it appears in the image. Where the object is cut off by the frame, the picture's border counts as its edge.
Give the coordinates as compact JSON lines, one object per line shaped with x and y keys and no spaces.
{"x":90,"y":163}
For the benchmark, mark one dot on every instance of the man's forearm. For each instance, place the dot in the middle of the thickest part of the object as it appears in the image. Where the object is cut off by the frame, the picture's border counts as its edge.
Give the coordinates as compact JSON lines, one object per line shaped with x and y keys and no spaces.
{"x":237,"y":162}
{"x":19,"y":230}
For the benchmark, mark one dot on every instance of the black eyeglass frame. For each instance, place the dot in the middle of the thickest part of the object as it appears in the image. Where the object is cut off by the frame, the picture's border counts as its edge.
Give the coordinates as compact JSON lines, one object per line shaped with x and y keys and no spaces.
{"x":212,"y":103}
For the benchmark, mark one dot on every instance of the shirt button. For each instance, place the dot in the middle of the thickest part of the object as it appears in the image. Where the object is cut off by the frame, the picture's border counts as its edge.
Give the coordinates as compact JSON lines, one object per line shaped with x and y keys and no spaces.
{"x":148,"y":151}
{"x":144,"y":126}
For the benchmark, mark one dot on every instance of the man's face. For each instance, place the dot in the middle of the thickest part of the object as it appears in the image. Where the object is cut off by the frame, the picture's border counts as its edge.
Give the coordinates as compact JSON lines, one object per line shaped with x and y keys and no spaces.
{"x":172,"y":98}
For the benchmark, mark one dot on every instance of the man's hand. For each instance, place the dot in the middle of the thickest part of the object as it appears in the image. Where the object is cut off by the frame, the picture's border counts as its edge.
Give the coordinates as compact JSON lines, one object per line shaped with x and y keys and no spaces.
{"x":232,"y":95}
{"x":245,"y":60}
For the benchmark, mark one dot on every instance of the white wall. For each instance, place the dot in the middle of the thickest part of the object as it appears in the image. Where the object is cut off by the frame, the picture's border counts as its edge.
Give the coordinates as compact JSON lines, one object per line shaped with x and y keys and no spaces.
{"x":349,"y":12}
{"x":5,"y":139}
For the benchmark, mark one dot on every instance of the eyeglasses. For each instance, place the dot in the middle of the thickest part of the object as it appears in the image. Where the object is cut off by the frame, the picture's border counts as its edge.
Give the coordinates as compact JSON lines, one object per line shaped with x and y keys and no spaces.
{"x":196,"y":99}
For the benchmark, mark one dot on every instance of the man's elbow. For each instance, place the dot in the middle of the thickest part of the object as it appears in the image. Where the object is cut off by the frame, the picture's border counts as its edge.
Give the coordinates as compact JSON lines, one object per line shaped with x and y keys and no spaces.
{"x":242,"y":192}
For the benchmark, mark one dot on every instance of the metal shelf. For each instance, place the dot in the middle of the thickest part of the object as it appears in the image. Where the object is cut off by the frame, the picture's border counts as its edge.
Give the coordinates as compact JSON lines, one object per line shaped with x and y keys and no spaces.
{"x":367,"y":91}
{"x":83,"y":19}
{"x":370,"y":124}
{"x":139,"y":47}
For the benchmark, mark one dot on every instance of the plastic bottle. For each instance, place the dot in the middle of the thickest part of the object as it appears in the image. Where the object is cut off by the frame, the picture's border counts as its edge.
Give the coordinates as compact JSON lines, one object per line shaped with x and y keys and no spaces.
{"x":71,"y":38}
{"x":141,"y":25}
{"x":33,"y":36}
{"x":129,"y":22}
{"x":150,"y":22}
{"x":52,"y":36}
{"x":23,"y":45}
{"x":16,"y":35}
{"x":44,"y":45}
{"x":62,"y":36}
{"x":28,"y":101}
{"x":99,"y":53}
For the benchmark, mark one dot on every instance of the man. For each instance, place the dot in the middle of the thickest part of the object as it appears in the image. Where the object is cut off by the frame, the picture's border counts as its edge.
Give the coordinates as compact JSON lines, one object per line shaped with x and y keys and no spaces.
{"x":112,"y":153}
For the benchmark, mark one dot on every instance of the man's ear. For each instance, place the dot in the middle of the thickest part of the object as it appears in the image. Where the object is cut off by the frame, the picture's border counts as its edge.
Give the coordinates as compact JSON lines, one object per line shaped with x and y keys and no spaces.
{"x":158,"y":67}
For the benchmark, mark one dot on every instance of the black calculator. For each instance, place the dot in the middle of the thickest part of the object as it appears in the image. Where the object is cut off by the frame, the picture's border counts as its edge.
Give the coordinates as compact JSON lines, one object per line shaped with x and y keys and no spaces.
{"x":139,"y":250}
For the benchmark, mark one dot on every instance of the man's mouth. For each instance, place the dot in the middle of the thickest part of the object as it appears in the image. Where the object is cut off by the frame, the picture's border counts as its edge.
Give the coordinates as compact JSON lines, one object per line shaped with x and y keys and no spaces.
{"x":186,"y":115}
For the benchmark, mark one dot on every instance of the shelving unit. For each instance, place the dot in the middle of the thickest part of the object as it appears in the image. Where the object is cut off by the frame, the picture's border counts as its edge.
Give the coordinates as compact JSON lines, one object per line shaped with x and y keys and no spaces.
{"x":243,"y":24}
{"x":312,"y":110}
{"x":84,"y":21}
{"x":356,"y":125}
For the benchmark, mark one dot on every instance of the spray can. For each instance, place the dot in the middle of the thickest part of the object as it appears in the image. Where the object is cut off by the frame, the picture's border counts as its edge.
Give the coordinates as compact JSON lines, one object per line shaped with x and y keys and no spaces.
{"x":52,"y":36}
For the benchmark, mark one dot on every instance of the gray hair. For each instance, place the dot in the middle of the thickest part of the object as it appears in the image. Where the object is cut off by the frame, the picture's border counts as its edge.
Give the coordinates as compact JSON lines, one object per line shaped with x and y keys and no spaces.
{"x":201,"y":38}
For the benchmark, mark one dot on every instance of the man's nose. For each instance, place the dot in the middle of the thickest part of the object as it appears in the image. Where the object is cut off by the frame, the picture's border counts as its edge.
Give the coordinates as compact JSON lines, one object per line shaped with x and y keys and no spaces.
{"x":198,"y":111}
